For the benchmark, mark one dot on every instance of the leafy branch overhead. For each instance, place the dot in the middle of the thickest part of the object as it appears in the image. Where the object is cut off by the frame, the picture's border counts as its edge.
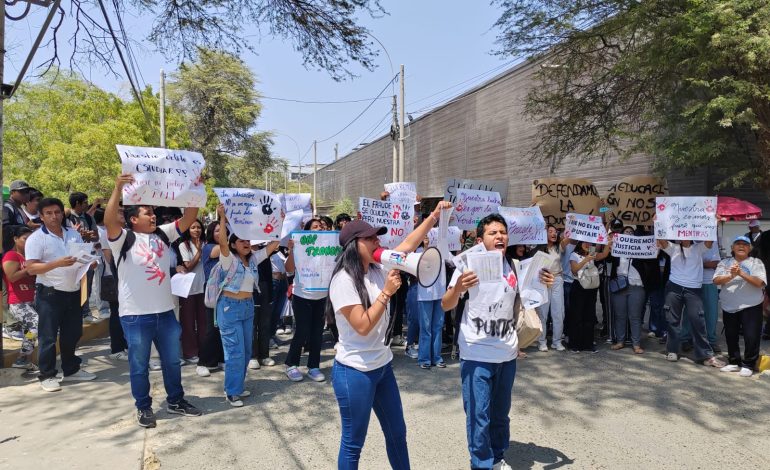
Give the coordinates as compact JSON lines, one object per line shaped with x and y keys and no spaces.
{"x":686,"y":81}
{"x":324,"y":32}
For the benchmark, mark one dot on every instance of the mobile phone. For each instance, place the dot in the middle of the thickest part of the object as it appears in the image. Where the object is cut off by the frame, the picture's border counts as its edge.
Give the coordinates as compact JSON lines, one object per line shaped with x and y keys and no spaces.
{"x":592,"y":250}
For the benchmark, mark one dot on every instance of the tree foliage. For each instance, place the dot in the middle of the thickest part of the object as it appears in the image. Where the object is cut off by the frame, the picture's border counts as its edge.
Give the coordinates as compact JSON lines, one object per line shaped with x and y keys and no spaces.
{"x":60,"y":134}
{"x":217,"y":98}
{"x":687,"y":81}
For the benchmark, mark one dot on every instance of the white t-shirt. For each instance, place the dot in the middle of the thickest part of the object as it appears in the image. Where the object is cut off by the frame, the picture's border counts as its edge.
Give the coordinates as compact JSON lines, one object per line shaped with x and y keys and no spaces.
{"x":187,"y":256}
{"x":626,"y":268}
{"x":488,"y":326}
{"x":144,"y":283}
{"x":711,"y":254}
{"x":686,"y":264}
{"x":368,"y":352}
{"x":738,"y":294}
{"x":45,"y":247}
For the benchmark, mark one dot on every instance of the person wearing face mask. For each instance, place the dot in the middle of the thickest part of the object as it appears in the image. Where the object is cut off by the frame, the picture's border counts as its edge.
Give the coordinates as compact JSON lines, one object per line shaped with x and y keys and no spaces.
{"x":488,"y":348}
{"x":742,"y":279}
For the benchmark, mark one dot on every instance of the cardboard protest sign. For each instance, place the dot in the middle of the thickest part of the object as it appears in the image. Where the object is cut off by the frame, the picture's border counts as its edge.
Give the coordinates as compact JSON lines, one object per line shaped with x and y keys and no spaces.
{"x":402,"y":191}
{"x":453,"y":184}
{"x":631,"y":246}
{"x":453,"y":238}
{"x":396,"y":216}
{"x":253,"y":214}
{"x":558,"y":196}
{"x":586,"y":228}
{"x":632,"y":200}
{"x":473,"y":205}
{"x":315,"y":254}
{"x":164,"y":177}
{"x":686,"y":218}
{"x":525,"y":225}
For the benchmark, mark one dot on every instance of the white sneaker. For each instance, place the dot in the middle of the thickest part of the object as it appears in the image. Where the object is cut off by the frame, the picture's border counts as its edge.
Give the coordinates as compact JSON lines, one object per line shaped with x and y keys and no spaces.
{"x":541,"y":348}
{"x":90,"y":319}
{"x":50,"y":384}
{"x":202,"y":371}
{"x":119,"y":356}
{"x":559,"y":347}
{"x":730,"y":368}
{"x":155,"y":365}
{"x":502,"y":465}
{"x":246,"y":393}
{"x":672,"y":357}
{"x":254,"y":364}
{"x":398,"y":341}
{"x":79,"y":376}
{"x":746,"y":372}
{"x":267,"y":362}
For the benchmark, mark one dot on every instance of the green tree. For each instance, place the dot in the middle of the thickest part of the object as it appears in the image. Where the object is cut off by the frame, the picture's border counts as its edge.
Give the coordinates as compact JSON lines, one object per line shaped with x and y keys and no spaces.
{"x":687,"y":81}
{"x":344,"y":206}
{"x":217,"y":98}
{"x":60,"y":134}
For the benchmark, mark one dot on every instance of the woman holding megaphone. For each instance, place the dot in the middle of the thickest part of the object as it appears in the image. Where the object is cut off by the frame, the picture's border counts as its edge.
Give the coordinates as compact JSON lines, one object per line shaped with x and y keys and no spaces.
{"x":362,"y":376}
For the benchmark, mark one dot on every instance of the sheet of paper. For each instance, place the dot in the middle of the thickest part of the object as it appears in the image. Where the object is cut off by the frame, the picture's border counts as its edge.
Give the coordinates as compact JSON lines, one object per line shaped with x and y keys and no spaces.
{"x":84,"y":252}
{"x":460,"y":261}
{"x":533,"y":292}
{"x":181,"y":284}
{"x":487,"y":266}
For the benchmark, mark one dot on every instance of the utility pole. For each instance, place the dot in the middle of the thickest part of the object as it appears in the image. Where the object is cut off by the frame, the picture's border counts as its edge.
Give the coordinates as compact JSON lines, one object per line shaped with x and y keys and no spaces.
{"x":299,"y":178}
{"x":394,"y":136}
{"x":336,"y":151}
{"x":315,"y":171}
{"x":401,"y":133}
{"x":162,"y":109}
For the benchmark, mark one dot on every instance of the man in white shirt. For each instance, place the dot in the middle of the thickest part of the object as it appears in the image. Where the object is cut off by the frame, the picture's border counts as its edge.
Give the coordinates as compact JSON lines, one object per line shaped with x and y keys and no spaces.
{"x":57,"y":296}
{"x":142,"y":254}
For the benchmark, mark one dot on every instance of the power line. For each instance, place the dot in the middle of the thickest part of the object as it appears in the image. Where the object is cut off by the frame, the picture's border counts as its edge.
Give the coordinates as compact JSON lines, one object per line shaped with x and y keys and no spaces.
{"x":369,"y":132}
{"x":322,"y":102}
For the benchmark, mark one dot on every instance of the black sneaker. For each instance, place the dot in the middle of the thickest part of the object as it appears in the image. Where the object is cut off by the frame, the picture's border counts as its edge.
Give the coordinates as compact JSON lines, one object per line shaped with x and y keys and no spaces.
{"x":183,"y":408}
{"x":146,"y":418}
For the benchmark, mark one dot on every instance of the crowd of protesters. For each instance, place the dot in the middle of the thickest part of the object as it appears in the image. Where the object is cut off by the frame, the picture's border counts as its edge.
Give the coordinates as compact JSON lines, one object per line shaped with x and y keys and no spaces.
{"x":677,"y":296}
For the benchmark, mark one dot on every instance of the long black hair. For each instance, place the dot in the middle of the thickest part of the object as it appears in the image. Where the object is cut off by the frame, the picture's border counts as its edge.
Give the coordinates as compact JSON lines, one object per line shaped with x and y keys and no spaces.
{"x":186,"y":237}
{"x":350,"y":262}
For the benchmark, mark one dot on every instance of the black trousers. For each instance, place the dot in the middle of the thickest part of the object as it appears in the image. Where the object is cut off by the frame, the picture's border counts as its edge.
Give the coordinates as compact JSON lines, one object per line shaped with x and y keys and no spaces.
{"x":211,"y":353}
{"x":60,"y":316}
{"x":582,"y":317}
{"x":117,"y":338}
{"x":398,"y":307}
{"x":750,"y":320}
{"x":308,"y":328}
{"x":263,"y":313}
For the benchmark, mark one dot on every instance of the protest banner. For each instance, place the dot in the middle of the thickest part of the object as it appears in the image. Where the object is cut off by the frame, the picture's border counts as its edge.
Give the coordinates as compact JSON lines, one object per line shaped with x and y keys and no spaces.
{"x":558,"y":196}
{"x":453,"y":238}
{"x":473,"y":205}
{"x":396,"y":216}
{"x":315,"y":254}
{"x":253,"y":214}
{"x":632,"y":200}
{"x":586,"y":228}
{"x":163,"y":177}
{"x":402,"y":191}
{"x":686,"y":218}
{"x":525,"y":225}
{"x":453,"y":184}
{"x":631,"y":246}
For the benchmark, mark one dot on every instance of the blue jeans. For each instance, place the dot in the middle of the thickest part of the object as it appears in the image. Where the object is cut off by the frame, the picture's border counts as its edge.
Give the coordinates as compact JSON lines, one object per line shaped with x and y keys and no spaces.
{"x":431,"y":327}
{"x":236,"y":325}
{"x":412,"y":315}
{"x":487,"y":400}
{"x":140,"y":332}
{"x":357,"y":394}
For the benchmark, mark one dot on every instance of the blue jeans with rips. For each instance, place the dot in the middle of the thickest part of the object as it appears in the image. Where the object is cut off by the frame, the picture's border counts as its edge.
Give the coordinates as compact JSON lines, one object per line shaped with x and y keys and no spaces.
{"x":357,"y":394}
{"x":140,"y":332}
{"x":236,"y":325}
{"x":487,"y":400}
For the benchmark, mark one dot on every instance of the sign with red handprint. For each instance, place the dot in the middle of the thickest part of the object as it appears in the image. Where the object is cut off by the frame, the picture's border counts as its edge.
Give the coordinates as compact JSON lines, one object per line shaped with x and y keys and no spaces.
{"x":686,"y":218}
{"x":252,"y":214}
{"x":396,"y":216}
{"x":586,"y":228}
{"x":163,"y":177}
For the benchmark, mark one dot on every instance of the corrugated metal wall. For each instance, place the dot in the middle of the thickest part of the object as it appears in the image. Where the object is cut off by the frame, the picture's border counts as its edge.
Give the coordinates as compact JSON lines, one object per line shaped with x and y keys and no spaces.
{"x":483,"y":134}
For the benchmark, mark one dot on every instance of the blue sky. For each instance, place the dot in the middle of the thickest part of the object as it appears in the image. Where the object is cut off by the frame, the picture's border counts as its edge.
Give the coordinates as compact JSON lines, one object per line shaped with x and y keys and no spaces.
{"x":441,"y":43}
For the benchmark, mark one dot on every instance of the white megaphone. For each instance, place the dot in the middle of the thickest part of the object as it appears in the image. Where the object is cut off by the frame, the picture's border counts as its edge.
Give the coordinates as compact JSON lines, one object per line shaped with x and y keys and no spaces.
{"x":425,"y":266}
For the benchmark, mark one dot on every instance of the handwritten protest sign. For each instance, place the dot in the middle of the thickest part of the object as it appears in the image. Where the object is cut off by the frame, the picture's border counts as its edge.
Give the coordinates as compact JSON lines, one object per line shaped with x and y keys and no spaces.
{"x":525,"y":225}
{"x":315,"y":255}
{"x":632,"y":200}
{"x":586,"y":228}
{"x":630,"y":246}
{"x":453,"y":184}
{"x":253,"y":214}
{"x":292,"y":222}
{"x":164,"y":177}
{"x":297,"y":201}
{"x":453,"y":238}
{"x":473,"y":205}
{"x":558,"y":196}
{"x":686,"y":218}
{"x":402,"y":191}
{"x":396,"y":216}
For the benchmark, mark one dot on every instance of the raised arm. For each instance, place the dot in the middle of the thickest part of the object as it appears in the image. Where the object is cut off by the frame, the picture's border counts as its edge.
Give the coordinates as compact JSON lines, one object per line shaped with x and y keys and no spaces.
{"x":188,"y":217}
{"x":224,"y":239}
{"x":415,"y":238}
{"x":111,"y":218}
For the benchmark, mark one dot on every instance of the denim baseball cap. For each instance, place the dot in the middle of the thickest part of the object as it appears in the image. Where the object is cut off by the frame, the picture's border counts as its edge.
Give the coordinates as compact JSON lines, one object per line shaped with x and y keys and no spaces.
{"x":742,"y":238}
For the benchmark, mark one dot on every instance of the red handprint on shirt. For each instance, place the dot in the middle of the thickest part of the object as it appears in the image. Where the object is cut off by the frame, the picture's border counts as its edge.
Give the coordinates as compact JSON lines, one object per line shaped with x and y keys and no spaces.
{"x":155,"y":273}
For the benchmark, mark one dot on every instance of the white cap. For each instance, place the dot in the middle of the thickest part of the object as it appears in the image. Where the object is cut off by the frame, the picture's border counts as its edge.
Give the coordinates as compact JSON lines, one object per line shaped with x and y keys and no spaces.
{"x":754,"y":223}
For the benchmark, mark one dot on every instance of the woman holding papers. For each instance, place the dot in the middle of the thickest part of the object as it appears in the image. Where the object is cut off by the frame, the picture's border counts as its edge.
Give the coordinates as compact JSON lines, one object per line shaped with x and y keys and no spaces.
{"x":583,"y":299}
{"x":235,"y":307}
{"x":488,"y":340}
{"x":363,"y":379}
